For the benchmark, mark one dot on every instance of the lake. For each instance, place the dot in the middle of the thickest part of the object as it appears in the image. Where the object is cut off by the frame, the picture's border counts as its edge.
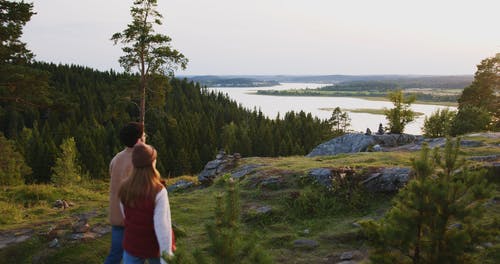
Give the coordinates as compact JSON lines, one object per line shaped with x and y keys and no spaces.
{"x":272,"y":105}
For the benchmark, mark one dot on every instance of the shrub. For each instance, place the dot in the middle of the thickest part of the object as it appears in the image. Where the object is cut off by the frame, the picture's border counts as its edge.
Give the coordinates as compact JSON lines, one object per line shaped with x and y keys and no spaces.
{"x":222,"y":180}
{"x":345,"y":195}
{"x":10,"y":213}
{"x":439,"y":124}
{"x":31,"y":195}
{"x":401,"y":114}
{"x":66,"y":170}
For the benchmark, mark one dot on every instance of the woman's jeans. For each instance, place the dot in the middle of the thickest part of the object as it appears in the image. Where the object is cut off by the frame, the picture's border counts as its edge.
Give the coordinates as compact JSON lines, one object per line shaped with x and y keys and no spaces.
{"x":129,"y":259}
{"x":116,"y":252}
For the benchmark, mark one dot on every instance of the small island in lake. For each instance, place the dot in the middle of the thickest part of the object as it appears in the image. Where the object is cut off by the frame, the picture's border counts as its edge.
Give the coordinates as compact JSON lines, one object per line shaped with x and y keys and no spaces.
{"x":434,"y":89}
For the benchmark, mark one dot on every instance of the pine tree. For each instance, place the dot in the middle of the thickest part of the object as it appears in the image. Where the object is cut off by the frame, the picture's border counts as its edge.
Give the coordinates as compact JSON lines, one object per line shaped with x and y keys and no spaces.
{"x":340,"y":121}
{"x":228,"y":137}
{"x":40,"y":154}
{"x":66,"y":169}
{"x":21,"y":87}
{"x":12,"y":165}
{"x":433,"y":219}
{"x":484,"y":92}
{"x":150,"y":52}
{"x":470,"y":119}
{"x":227,"y":244}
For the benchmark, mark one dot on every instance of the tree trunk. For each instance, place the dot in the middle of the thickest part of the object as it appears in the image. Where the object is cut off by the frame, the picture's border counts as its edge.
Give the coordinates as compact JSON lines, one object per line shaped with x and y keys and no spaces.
{"x":143,"y":99}
{"x":143,"y":89}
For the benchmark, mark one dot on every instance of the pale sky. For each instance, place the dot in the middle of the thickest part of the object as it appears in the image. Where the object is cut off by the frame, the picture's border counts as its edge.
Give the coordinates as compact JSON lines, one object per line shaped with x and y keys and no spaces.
{"x":229,"y":37}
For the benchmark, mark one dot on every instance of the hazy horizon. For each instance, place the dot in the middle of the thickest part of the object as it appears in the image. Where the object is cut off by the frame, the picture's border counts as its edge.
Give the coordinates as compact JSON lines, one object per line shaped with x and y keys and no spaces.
{"x":277,"y":37}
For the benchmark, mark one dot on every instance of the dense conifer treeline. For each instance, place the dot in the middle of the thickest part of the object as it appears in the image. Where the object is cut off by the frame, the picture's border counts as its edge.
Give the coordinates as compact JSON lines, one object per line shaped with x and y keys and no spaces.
{"x":185,"y":122}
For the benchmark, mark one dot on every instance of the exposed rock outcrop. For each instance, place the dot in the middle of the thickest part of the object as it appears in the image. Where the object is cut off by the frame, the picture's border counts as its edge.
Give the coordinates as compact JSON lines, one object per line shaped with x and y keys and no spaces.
{"x":394,"y":140}
{"x":381,"y":180}
{"x":322,"y":176}
{"x":437,"y":143}
{"x":485,"y":158}
{"x":58,"y":233}
{"x":352,"y":143}
{"x":180,"y":185}
{"x":15,"y":236}
{"x":349,"y":143}
{"x":223,"y":163}
{"x":273,"y":183}
{"x":387,"y":180}
{"x":244,"y":170}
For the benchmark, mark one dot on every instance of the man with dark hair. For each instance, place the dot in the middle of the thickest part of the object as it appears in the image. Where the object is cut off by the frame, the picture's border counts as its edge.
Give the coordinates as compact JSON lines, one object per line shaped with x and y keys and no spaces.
{"x":119,"y":168}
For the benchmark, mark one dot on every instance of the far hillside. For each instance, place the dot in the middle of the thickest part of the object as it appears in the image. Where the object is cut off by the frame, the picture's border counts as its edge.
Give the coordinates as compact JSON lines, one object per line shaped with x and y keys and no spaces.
{"x":230,"y":81}
{"x":359,"y":81}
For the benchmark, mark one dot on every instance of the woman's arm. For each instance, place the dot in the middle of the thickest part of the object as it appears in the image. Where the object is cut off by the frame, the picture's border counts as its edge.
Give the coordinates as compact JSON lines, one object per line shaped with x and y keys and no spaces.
{"x":163,"y":222}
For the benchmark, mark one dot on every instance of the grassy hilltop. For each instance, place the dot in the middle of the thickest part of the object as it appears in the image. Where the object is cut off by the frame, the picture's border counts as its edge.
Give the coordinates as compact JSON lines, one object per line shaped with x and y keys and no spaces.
{"x":299,"y":209}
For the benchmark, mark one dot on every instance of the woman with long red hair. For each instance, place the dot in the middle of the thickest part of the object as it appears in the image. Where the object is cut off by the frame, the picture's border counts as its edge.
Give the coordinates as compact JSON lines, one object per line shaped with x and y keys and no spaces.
{"x":146,"y":210}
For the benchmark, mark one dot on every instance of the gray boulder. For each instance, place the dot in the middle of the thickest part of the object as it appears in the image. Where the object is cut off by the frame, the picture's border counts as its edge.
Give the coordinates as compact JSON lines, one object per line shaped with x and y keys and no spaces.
{"x":439,"y":143}
{"x":305,"y":244}
{"x":219,"y":166}
{"x":351,"y":255}
{"x":353,"y":143}
{"x":264,"y":209}
{"x":272,"y":183}
{"x":471,"y":143}
{"x":485,"y":158}
{"x":322,"y":176}
{"x":387,"y":180}
{"x":54,"y":243}
{"x":394,"y":140}
{"x":348,"y":143}
{"x":180,"y":185}
{"x":244,"y":170}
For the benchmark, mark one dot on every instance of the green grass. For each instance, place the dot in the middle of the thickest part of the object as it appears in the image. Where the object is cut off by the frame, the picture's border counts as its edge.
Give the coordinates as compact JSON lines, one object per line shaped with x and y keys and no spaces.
{"x":358,"y":160}
{"x":94,"y":251}
{"x":23,"y":206}
{"x":22,"y":253}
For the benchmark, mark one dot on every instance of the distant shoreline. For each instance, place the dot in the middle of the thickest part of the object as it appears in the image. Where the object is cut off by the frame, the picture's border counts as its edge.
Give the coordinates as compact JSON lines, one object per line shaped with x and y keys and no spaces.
{"x":366,"y":111}
{"x":370,"y":98}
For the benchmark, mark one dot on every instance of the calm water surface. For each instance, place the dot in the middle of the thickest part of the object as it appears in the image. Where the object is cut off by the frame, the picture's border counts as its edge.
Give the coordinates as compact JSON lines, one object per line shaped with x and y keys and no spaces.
{"x":272,"y":105}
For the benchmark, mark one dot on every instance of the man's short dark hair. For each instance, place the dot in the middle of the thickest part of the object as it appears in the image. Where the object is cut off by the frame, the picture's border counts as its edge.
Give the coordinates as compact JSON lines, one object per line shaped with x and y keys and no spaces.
{"x":130,"y":133}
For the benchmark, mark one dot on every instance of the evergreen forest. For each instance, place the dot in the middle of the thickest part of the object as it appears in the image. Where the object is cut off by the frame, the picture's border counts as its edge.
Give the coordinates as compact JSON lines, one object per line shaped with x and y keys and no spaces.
{"x":185,"y":122}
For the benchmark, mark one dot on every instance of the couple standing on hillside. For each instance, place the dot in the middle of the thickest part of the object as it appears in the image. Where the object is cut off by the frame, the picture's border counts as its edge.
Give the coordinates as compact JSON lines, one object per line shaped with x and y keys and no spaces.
{"x":139,"y":206}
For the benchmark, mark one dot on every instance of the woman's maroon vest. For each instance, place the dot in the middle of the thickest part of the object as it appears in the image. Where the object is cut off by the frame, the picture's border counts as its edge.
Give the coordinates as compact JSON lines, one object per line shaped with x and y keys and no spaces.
{"x":140,"y":239}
